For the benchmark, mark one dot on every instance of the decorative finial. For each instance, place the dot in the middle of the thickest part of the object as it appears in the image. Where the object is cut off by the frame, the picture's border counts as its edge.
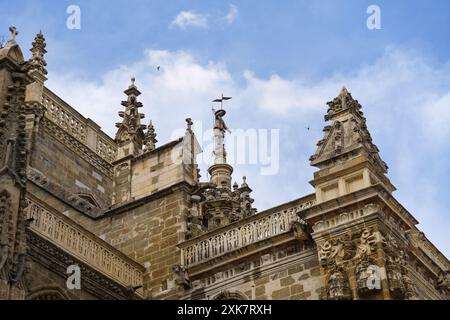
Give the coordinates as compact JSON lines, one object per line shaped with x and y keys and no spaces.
{"x":150,"y":138}
{"x":38,"y":51}
{"x":131,"y":129}
{"x":344,"y":91}
{"x":14,"y":33}
{"x":235,"y":186}
{"x":132,"y":89}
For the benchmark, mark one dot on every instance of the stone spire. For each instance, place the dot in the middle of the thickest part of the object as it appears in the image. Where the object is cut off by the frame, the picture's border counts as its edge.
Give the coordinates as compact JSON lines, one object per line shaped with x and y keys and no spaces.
{"x":245,"y":199}
{"x":37,"y":61}
{"x":36,"y":66}
{"x":150,"y":138}
{"x":130,"y":135}
{"x":347,"y":136}
{"x":347,"y":158}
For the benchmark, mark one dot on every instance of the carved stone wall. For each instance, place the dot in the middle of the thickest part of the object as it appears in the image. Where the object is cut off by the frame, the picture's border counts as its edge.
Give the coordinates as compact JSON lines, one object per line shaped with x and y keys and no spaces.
{"x":149,"y":234}
{"x":287,"y":272}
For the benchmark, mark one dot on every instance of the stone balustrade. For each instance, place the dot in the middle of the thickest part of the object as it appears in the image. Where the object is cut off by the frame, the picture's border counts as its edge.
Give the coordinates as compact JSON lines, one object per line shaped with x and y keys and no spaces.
{"x":84,"y":130}
{"x":257,"y":228}
{"x":84,"y":246}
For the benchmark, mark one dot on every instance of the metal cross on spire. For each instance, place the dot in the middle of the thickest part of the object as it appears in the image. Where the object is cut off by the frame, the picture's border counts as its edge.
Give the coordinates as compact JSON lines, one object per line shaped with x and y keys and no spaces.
{"x":14,"y":33}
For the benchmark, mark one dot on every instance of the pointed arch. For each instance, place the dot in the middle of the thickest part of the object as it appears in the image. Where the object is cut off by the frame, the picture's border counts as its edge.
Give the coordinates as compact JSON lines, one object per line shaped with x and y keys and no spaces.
{"x":227,"y":295}
{"x":47,"y":293}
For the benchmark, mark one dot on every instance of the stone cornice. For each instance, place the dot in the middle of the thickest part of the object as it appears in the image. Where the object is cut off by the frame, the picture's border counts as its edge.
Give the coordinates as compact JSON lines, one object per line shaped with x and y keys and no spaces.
{"x":132,"y":204}
{"x":375,"y":191}
{"x":158,"y":149}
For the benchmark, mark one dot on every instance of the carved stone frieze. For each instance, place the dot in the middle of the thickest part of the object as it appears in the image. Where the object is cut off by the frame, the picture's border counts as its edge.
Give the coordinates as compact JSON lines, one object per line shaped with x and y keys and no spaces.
{"x":348,"y":246}
{"x":346,"y":217}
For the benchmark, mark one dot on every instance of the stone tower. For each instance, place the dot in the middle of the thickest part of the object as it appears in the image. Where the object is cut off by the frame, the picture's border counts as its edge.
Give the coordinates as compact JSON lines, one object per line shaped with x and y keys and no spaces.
{"x":130,"y":134}
{"x":21,"y":85}
{"x":362,"y":247}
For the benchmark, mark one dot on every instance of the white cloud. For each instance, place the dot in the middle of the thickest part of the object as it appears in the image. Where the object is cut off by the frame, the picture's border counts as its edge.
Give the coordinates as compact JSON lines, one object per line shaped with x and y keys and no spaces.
{"x":279,"y":96}
{"x":181,"y":87}
{"x":232,"y":14}
{"x":406,"y":102}
{"x":190,"y":18}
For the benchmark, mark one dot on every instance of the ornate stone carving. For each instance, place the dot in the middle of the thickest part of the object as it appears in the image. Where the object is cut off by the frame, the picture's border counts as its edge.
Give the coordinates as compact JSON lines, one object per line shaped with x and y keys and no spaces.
{"x":345,"y":217}
{"x":348,"y":246}
{"x":150,"y":138}
{"x":352,"y":247}
{"x":400,"y":283}
{"x":328,"y":251}
{"x":367,"y":242}
{"x":300,"y":229}
{"x":37,"y":61}
{"x":410,"y":287}
{"x":182,"y":277}
{"x":130,"y":130}
{"x":83,"y":246}
{"x":222,"y":206}
{"x":97,"y":283}
{"x":394,"y":275}
{"x":338,"y":287}
{"x":220,"y":243}
{"x":368,"y":277}
{"x":347,"y":136}
{"x":443,"y":282}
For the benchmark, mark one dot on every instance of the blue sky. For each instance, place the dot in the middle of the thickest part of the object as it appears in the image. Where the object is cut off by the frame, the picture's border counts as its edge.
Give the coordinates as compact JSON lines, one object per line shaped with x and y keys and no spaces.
{"x":281,"y":61}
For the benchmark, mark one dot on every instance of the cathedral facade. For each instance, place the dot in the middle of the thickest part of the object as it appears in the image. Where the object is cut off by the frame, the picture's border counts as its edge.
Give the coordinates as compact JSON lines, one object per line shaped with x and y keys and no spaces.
{"x":136,"y":221}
